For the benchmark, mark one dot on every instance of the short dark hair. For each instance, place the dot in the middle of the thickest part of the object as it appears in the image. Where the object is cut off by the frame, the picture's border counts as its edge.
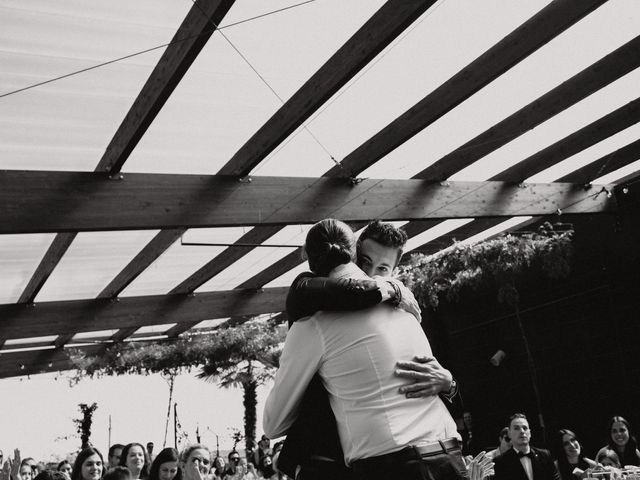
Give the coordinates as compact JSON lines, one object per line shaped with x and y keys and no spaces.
{"x":118,"y":473}
{"x":233,"y":452}
{"x":517,"y":415}
{"x":50,"y":475}
{"x":114,"y":447}
{"x":386,"y":234}
{"x":329,"y":243}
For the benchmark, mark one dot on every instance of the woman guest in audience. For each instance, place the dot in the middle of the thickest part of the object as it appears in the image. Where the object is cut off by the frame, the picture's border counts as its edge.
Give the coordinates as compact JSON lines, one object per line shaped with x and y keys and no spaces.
{"x":569,"y":456}
{"x":136,"y":459}
{"x":65,"y":467}
{"x":622,"y":442}
{"x":165,"y":466}
{"x":219,"y":466}
{"x":26,"y":471}
{"x":195,"y":462}
{"x":89,"y":465}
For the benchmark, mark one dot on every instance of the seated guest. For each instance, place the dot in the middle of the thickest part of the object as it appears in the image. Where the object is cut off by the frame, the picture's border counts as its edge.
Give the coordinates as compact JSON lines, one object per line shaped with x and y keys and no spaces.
{"x":569,"y":456}
{"x":608,"y":458}
{"x":504,"y":444}
{"x":621,"y":441}
{"x":522,"y":461}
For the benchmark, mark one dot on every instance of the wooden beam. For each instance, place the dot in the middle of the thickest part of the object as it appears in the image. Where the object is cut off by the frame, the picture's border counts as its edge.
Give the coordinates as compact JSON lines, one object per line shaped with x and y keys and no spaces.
{"x":141,"y":261}
{"x":189,"y":40}
{"x":191,"y":37}
{"x":606,"y":164}
{"x":587,"y":136}
{"x":572,"y":144}
{"x":523,"y":41}
{"x":18,"y":364}
{"x":84,"y":201}
{"x":75,"y":316}
{"x":376,"y":34}
{"x":225,"y":259}
{"x":380,"y":30}
{"x":605,"y":71}
{"x":55,"y":251}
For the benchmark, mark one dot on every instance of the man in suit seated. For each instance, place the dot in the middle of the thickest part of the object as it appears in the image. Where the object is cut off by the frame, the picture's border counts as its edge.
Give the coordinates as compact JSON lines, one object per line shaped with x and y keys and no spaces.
{"x":522,"y":461}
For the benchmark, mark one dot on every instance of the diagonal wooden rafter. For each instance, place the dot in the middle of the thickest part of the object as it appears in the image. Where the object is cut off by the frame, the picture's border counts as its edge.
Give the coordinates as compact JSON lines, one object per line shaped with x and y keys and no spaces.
{"x":522,"y":42}
{"x":376,"y":34}
{"x":536,"y":32}
{"x":191,"y":37}
{"x":540,"y":29}
{"x":584,"y":175}
{"x":605,"y":71}
{"x":610,"y":68}
{"x":606,"y":126}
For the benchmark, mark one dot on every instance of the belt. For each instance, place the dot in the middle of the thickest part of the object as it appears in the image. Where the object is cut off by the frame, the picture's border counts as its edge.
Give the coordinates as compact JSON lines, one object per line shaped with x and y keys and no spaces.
{"x":411,"y":452}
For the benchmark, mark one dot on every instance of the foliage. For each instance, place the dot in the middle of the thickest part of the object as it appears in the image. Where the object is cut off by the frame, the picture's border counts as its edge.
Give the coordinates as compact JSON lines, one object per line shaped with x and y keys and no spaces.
{"x":236,"y":436}
{"x":244,"y":356}
{"x":216,"y":353}
{"x":83,"y":425}
{"x":500,"y":260}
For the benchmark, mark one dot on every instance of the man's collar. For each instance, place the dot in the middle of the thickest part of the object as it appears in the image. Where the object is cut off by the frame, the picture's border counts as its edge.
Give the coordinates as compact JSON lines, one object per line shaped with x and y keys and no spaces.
{"x":527,"y":450}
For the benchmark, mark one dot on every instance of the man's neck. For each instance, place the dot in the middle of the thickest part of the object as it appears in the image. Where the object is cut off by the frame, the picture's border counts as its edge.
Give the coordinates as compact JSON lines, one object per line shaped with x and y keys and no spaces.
{"x":523,"y":448}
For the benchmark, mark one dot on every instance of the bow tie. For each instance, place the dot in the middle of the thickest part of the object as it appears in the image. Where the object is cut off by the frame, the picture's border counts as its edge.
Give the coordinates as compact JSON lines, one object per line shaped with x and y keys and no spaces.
{"x":522,"y":454}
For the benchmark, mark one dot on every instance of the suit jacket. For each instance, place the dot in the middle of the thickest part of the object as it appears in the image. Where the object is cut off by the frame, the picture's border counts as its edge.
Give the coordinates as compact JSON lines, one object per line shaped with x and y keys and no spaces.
{"x":509,"y":467}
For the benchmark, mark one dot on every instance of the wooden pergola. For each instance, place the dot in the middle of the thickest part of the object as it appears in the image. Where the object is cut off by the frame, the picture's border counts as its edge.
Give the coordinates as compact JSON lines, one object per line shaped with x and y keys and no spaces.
{"x":67,"y":203}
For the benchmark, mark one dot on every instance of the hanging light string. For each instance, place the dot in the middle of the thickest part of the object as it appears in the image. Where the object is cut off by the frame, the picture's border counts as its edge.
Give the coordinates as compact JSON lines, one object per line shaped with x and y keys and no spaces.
{"x":141,"y":52}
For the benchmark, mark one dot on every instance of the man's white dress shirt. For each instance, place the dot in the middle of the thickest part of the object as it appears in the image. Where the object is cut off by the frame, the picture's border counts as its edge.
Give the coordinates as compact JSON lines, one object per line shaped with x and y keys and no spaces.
{"x":355,"y":354}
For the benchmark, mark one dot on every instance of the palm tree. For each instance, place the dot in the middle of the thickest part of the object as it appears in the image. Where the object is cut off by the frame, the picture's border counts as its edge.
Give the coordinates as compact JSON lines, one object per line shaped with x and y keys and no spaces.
{"x":245,"y":356}
{"x":247,"y":359}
